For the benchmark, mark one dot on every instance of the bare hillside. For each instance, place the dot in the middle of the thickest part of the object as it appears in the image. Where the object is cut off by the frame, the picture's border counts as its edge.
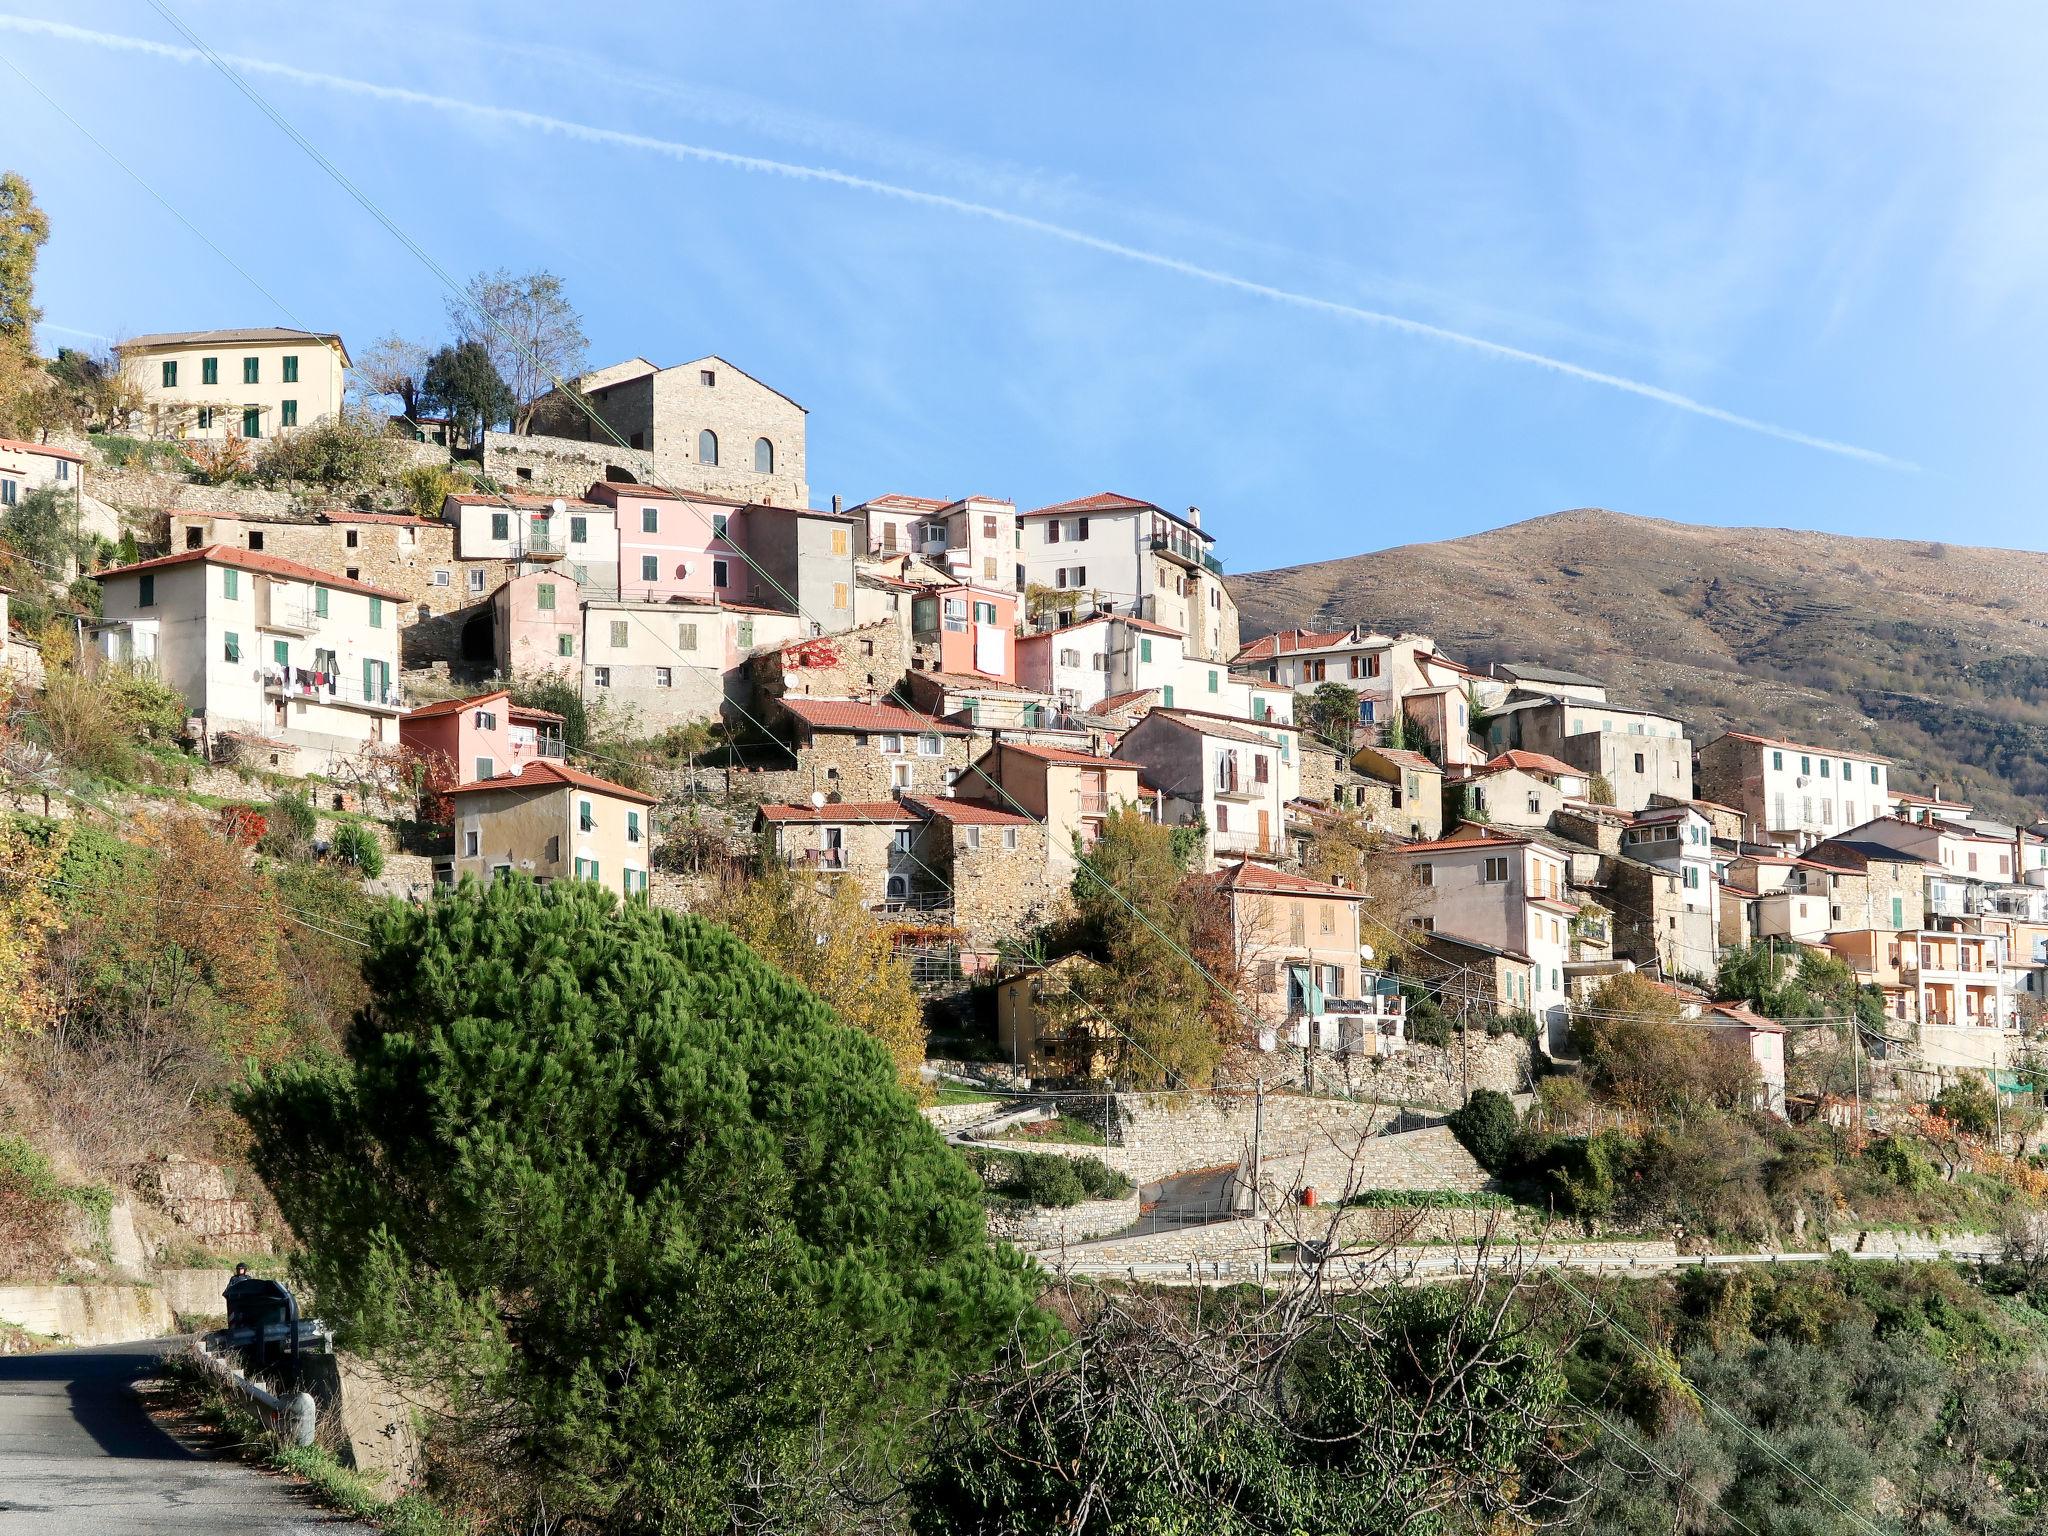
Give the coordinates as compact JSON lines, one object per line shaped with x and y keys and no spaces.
{"x":1935,"y":655}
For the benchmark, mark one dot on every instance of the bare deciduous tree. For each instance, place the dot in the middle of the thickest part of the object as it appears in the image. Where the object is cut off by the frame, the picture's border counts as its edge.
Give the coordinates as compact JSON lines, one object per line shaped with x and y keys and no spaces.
{"x":533,"y":334}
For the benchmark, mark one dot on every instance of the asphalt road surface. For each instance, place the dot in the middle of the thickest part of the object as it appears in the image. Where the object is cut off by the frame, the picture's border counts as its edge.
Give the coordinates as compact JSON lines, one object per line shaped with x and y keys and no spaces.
{"x":79,"y":1455}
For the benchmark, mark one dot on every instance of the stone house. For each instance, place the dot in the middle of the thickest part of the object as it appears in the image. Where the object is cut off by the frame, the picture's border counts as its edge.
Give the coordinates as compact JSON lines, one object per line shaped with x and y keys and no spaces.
{"x":869,"y":842}
{"x":1414,"y":787}
{"x":702,"y":426}
{"x":1641,"y":754}
{"x":251,"y":383}
{"x":416,"y":558}
{"x":1654,"y":923}
{"x":850,"y":750}
{"x":26,"y":468}
{"x":551,"y":822}
{"x":262,"y":648}
{"x":861,"y":663}
{"x":988,"y":864}
{"x":1519,"y":789}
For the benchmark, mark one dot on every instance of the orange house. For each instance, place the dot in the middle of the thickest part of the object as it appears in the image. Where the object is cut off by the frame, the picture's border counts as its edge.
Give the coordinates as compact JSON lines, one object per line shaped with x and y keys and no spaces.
{"x":464,"y":741}
{"x":968,"y":630}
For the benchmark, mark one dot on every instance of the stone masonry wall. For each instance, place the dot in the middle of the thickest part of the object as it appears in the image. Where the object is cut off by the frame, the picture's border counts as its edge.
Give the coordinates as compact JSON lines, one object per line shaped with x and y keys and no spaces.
{"x":1054,"y":1226}
{"x":1436,"y":1077}
{"x":998,"y":893}
{"x":835,"y":766}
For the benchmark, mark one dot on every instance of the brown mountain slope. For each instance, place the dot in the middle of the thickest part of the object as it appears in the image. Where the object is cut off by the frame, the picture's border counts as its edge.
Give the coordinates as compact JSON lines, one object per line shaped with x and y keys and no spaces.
{"x":1934,"y":655}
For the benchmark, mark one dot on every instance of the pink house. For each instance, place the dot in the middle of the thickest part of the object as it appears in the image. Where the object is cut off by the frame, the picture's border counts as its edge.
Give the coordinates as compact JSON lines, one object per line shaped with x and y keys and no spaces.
{"x":485,"y":737}
{"x":537,"y":624}
{"x":673,"y":546}
{"x":967,"y":630}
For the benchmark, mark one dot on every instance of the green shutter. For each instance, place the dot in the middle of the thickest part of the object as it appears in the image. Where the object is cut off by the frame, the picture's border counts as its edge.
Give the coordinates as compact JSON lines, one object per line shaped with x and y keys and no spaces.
{"x":291,"y":370}
{"x":1145,"y":648}
{"x":1212,"y":680}
{"x":230,"y":583}
{"x":501,"y":525}
{"x":1166,"y":695}
{"x":369,"y":680}
{"x":566,"y":645}
{"x":376,"y":613}
{"x":209,"y":370}
{"x":320,"y":601}
{"x":1898,"y":912}
{"x":252,"y":422}
{"x":632,"y":826}
{"x":252,"y":370}
{"x":170,"y":375}
{"x":289,"y":415}
{"x":281,"y":652}
{"x":544,"y":597}
{"x":234,"y":646}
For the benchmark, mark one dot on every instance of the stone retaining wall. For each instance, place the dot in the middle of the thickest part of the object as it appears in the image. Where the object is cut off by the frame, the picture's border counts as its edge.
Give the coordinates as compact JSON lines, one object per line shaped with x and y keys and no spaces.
{"x":87,"y":1314}
{"x":1421,"y":1074}
{"x":372,"y":1421}
{"x":1987,"y":1244}
{"x":1041,"y":1226}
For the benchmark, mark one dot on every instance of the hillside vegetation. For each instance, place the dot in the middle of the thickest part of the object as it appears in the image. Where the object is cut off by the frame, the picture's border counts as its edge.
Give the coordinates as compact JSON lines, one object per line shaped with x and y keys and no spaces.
{"x":1932,"y":654}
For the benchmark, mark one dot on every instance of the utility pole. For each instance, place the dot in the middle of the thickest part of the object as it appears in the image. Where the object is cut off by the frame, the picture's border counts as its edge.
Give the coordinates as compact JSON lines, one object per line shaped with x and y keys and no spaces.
{"x":1855,"y":1071}
{"x":1258,"y":1168}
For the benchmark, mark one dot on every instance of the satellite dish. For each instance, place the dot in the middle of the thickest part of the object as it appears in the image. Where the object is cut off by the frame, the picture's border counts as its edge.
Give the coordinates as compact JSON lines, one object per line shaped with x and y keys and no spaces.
{"x":817,"y":799}
{"x":558,"y":506}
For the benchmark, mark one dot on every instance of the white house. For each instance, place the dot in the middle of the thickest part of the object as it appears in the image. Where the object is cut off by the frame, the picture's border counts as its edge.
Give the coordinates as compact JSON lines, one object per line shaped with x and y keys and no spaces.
{"x":292,"y":661}
{"x":1235,"y":777}
{"x":1795,"y":794}
{"x":1137,"y":558}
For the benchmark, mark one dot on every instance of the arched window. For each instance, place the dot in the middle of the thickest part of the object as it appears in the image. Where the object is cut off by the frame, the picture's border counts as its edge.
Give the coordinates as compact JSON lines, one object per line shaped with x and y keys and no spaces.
{"x":899,"y":888}
{"x":764,"y":456}
{"x":707,"y":447}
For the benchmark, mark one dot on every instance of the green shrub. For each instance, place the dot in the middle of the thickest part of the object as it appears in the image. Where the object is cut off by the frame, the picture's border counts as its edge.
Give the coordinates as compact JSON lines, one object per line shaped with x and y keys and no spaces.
{"x":349,"y":448}
{"x":1427,"y":1200}
{"x":1968,"y":1105}
{"x":1487,"y":1126}
{"x":1045,"y":1178}
{"x":357,"y":846}
{"x":1903,"y":1163}
{"x":292,"y":825}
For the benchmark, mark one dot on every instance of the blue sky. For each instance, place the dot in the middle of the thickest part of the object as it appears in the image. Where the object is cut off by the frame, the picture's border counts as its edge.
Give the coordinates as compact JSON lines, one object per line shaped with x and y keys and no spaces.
{"x":1361,"y":276}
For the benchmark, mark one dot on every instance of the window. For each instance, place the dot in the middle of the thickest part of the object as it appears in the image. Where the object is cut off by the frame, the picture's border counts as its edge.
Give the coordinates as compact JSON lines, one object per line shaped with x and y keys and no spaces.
{"x":974,"y":837}
{"x":1009,"y":839}
{"x":1052,"y":530}
{"x":707,"y":447}
{"x":146,"y":598}
{"x":320,"y":602}
{"x":619,"y":634}
{"x":1080,"y":528}
{"x":1145,"y":648}
{"x":929,"y":745}
{"x":840,"y":595}
{"x":1873,"y":773}
{"x":252,"y":422}
{"x":1425,"y":874}
{"x":650,"y":520}
{"x":1826,"y":769}
{"x":476,"y":581}
{"x":486,"y":768}
{"x":888,"y":741}
{"x":565,"y":645}
{"x":664,"y":677}
{"x":252,"y":370}
{"x":1777,"y":760}
{"x":718,"y":573}
{"x":501,"y":525}
{"x":1898,"y":912}
{"x":171,"y":374}
{"x":632,"y":826}
{"x":288,"y":413}
{"x":1496,"y":871}
{"x":232,"y":650}
{"x":376,"y":613}
{"x":743,"y":636}
{"x":707,"y":377}
{"x":472,"y":843}
{"x":1166,"y":695}
{"x":686,"y":636}
{"x":206,"y":418}
{"x":579,"y":530}
{"x":231,"y":584}
{"x":1212,"y":680}
{"x":764,"y":456}
{"x":650,"y":568}
{"x":1080,"y":576}
{"x":1222,"y":818}
{"x":1639,"y":762}
{"x":1806,"y":765}
{"x":586,"y":869}
{"x":600,"y":677}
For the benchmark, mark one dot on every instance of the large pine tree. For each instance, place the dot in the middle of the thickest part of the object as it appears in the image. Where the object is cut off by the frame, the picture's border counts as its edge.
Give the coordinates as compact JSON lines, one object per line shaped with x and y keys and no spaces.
{"x":669,"y":1237}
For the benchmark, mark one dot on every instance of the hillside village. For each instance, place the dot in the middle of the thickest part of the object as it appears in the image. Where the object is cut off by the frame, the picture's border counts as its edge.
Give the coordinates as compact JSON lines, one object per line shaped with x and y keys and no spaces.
{"x":939,"y":703}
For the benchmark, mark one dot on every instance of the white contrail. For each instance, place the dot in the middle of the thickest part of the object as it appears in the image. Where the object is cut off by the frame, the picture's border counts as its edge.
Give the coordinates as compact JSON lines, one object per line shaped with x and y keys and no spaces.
{"x":701,"y":154}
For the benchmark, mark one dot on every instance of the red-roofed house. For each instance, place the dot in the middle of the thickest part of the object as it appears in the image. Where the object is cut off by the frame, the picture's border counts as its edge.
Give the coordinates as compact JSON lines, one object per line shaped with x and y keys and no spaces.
{"x":1522,"y":789}
{"x":262,"y":645}
{"x":1127,"y":556}
{"x":858,"y":750}
{"x":552,"y":822}
{"x":469,"y":740}
{"x":974,"y":538}
{"x":1232,"y":777}
{"x":26,"y":468}
{"x":1070,"y":793}
{"x":868,"y":841}
{"x":1382,"y":669}
{"x":990,"y":863}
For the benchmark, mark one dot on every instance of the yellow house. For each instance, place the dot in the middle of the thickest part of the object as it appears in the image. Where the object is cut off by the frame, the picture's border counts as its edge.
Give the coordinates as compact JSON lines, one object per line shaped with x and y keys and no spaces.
{"x":1037,"y":1029}
{"x":552,"y":822}
{"x":254,"y":383}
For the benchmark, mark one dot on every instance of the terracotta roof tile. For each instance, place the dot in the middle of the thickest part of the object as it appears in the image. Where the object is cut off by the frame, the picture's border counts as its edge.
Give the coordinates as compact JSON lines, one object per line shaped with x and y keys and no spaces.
{"x":250,"y":560}
{"x":544,"y":774}
{"x":1063,"y":755}
{"x":851,"y":715}
{"x":966,"y":812}
{"x":1535,"y":762}
{"x":1247,"y":876}
{"x":47,"y":450}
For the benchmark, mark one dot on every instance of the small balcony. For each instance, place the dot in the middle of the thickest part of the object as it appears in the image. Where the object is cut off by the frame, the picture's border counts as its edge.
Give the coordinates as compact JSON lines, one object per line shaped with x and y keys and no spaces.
{"x":542,"y":545}
{"x":1231,"y":786}
{"x":1187,"y":552}
{"x":829,"y":860}
{"x":331,"y":688}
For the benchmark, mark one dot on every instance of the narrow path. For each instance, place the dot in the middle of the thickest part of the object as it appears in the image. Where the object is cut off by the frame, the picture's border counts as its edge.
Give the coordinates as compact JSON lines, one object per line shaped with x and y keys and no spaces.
{"x":80,"y":1457}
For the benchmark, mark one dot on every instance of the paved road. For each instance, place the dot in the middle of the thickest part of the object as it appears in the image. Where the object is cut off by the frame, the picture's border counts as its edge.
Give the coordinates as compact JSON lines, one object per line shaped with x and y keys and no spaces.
{"x":79,"y":1457}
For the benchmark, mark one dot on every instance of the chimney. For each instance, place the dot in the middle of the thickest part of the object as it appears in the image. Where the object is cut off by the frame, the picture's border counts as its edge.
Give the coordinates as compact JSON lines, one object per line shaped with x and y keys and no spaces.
{"x":835,"y":503}
{"x":1195,"y":516}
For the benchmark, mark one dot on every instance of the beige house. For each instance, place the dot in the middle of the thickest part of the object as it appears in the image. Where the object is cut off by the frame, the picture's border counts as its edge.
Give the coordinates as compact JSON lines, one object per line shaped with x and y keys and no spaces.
{"x":254,"y":383}
{"x":1521,"y":789}
{"x":1069,"y":793}
{"x":552,"y":822}
{"x":298,"y":663}
{"x":1414,"y":784}
{"x":1041,"y":1027}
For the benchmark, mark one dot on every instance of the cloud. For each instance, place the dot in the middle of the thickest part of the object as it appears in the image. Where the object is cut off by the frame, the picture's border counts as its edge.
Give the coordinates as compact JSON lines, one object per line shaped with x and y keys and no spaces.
{"x":484,"y":112}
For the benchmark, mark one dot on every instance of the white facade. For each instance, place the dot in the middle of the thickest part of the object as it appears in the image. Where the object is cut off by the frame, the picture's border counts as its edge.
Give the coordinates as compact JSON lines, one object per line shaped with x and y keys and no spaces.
{"x":1796,"y":794}
{"x":1136,"y":558}
{"x":1510,"y":894}
{"x":262,"y":647}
